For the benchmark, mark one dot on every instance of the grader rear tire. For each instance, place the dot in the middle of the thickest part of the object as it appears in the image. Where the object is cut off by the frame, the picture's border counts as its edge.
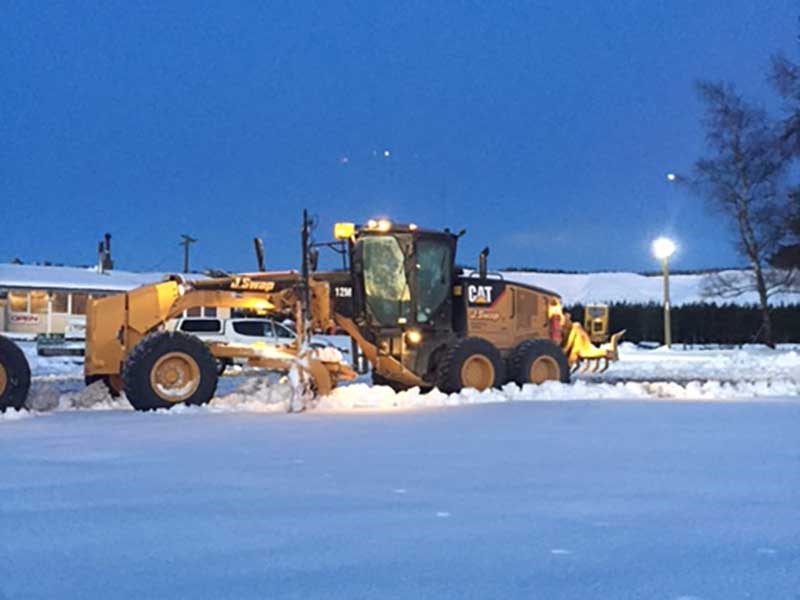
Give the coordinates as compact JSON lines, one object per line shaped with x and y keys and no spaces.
{"x":537,"y":361}
{"x":169,"y":368}
{"x":470,"y":363}
{"x":15,"y":376}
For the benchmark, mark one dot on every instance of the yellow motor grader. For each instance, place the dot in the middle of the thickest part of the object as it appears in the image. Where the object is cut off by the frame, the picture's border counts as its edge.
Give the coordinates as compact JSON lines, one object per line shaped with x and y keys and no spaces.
{"x":412,"y":314}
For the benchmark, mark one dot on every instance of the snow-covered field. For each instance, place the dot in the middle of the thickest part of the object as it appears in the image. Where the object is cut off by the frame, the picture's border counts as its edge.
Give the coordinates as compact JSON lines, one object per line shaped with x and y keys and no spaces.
{"x":675,"y":474}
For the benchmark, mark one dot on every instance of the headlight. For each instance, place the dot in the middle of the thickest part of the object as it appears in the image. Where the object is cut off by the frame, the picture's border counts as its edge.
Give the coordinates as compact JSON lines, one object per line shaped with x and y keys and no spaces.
{"x":413,"y":337}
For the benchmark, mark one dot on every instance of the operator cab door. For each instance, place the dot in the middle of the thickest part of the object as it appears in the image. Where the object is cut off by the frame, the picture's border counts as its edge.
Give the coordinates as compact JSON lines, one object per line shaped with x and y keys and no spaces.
{"x":433,"y":275}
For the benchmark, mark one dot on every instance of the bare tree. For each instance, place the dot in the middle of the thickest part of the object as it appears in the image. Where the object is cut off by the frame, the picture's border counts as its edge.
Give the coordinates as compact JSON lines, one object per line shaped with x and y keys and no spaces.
{"x":785,"y":78}
{"x":742,"y":178}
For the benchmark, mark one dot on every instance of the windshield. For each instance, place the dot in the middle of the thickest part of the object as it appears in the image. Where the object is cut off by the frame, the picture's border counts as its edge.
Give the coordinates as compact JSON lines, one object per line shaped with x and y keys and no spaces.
{"x":385,"y":285}
{"x":433,"y":276}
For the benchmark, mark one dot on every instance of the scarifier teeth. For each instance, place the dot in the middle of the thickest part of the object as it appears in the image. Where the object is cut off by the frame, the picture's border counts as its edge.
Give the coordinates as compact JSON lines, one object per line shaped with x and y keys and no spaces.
{"x":574,"y":368}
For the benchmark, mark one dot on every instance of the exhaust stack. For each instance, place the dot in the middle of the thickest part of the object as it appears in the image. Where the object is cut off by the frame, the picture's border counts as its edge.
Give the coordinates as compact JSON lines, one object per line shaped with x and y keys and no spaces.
{"x":104,"y":262}
{"x":259,"y":246}
{"x":482,"y":270}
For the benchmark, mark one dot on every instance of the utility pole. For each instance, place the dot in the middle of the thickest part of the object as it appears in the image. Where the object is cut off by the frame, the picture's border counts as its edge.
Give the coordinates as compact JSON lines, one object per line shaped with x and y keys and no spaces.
{"x":667,"y":323}
{"x":663,"y":248}
{"x":186,"y":241}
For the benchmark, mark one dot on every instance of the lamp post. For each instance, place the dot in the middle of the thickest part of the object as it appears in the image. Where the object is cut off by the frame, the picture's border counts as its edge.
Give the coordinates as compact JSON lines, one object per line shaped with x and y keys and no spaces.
{"x":663,"y":248}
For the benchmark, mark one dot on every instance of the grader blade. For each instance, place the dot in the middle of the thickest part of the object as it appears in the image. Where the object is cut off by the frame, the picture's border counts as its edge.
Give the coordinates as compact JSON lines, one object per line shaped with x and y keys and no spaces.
{"x":584,"y":356}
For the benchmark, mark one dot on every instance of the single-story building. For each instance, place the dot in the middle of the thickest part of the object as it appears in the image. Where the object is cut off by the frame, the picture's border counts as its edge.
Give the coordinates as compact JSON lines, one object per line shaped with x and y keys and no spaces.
{"x":36,"y":299}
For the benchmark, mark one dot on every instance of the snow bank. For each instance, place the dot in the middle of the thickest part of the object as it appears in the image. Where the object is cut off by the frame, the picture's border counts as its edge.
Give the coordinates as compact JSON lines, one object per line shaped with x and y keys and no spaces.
{"x":257,"y":394}
{"x":15,"y":415}
{"x":263,"y":395}
{"x":751,"y":363}
{"x":702,"y":373}
{"x":362,"y":396}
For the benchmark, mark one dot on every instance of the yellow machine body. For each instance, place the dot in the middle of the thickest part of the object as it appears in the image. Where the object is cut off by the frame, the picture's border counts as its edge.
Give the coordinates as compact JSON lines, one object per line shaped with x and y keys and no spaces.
{"x":116,"y":324}
{"x":415,"y":317}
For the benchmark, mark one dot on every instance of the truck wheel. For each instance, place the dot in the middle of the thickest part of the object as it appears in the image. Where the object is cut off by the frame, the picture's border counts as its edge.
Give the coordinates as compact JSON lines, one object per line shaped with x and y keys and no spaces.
{"x":470,"y":363}
{"x":15,"y":376}
{"x":537,"y":361}
{"x":168,"y":368}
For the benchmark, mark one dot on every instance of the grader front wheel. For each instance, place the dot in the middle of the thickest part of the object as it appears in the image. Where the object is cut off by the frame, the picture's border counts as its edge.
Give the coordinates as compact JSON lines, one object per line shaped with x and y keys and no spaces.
{"x":168,"y":368}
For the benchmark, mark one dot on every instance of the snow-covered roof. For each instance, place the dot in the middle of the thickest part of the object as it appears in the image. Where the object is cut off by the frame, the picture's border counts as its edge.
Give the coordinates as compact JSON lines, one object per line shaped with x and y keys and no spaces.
{"x":72,"y":278}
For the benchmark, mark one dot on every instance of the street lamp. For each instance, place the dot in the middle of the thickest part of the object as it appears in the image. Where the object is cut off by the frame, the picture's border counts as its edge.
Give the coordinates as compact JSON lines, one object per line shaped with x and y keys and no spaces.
{"x":663,"y":248}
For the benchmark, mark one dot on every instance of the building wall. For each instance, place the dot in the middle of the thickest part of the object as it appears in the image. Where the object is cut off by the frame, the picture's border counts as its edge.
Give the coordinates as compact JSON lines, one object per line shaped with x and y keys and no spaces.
{"x":35,"y":311}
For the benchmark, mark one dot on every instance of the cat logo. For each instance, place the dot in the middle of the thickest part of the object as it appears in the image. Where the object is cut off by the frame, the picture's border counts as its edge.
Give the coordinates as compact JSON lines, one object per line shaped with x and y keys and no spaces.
{"x":479,"y":294}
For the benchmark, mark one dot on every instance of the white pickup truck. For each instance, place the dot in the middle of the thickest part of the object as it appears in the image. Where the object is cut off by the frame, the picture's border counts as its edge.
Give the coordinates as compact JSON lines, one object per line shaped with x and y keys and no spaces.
{"x":241,"y":331}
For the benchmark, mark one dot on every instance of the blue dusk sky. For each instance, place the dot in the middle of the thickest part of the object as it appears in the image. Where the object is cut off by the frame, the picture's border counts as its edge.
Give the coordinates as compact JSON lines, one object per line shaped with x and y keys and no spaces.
{"x":543,"y":128}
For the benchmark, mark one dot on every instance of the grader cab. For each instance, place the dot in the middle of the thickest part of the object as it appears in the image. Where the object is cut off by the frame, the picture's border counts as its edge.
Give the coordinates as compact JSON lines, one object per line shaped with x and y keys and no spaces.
{"x":413,"y":315}
{"x":422,"y":322}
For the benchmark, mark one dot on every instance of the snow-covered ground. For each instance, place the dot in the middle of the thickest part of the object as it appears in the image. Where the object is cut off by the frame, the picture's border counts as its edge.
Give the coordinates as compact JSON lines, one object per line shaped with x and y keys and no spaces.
{"x":567,"y":500}
{"x":630,"y":484}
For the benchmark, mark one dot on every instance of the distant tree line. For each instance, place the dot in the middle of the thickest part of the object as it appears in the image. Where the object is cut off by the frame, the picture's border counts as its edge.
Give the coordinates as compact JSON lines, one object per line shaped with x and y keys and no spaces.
{"x":700,"y":323}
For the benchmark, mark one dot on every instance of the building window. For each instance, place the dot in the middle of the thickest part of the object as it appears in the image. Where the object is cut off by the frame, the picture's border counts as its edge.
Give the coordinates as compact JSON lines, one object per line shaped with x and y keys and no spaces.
{"x":210,"y":311}
{"x":38,"y":302}
{"x":59,"y":300}
{"x":79,"y":304}
{"x":194,"y":312}
{"x":18,"y":302}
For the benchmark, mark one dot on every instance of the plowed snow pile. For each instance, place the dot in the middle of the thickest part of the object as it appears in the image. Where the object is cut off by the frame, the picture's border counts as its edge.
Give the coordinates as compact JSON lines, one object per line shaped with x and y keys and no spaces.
{"x":701,"y":373}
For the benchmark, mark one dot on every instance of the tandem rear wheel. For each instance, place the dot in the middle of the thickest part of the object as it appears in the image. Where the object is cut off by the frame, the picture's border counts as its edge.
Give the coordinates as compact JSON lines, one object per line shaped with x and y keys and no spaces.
{"x":537,"y":361}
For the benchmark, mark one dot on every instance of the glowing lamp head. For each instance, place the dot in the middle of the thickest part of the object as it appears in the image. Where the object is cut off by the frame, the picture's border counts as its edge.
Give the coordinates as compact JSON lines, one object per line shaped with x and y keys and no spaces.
{"x":663,"y":248}
{"x":381,"y":225}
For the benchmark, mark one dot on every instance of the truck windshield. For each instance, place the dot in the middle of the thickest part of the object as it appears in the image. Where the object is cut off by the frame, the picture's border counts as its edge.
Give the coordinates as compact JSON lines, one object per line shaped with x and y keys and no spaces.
{"x":386,"y":287}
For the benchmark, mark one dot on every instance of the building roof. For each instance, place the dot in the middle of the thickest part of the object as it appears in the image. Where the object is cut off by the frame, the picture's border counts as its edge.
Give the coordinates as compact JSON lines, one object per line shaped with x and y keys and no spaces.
{"x":72,"y":278}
